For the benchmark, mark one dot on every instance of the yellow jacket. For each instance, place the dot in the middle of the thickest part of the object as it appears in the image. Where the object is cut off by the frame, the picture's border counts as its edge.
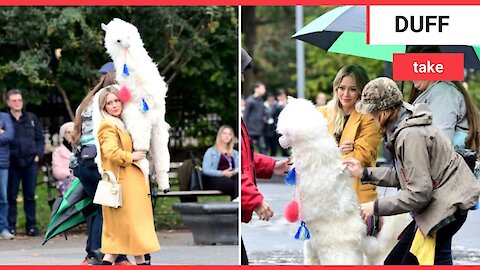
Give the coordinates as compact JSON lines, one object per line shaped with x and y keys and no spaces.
{"x":363,"y":131}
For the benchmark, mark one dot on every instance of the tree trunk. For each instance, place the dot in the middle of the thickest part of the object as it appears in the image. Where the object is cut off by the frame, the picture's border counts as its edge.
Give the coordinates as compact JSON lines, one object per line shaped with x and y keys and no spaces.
{"x":66,"y":101}
{"x":249,"y":29}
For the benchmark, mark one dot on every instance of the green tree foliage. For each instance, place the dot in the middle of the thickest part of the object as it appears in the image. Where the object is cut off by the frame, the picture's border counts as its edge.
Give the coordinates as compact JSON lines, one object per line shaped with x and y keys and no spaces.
{"x":275,"y":62}
{"x":62,"y":48}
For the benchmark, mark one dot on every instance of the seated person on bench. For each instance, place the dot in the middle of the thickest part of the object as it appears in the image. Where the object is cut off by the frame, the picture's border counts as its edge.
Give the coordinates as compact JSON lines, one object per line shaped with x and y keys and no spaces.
{"x":61,"y":158}
{"x":220,"y":164}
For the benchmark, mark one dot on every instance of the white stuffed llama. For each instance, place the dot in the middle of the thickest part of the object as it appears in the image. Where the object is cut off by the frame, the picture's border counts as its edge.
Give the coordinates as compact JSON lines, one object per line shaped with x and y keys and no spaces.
{"x":143,"y":91}
{"x":328,"y":204}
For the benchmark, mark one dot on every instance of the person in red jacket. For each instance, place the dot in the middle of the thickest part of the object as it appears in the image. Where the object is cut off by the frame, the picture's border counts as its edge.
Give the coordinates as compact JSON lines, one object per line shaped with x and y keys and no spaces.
{"x":255,"y":165}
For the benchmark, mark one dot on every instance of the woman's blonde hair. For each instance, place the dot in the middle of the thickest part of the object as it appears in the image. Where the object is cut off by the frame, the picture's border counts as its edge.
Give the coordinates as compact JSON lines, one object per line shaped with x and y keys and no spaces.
{"x":219,"y":137}
{"x":102,"y":102}
{"x":105,"y":80}
{"x":334,"y":107}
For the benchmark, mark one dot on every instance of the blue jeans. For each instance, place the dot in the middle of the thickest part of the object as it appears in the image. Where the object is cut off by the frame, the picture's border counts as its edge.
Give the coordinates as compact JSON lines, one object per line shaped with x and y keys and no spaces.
{"x":94,"y":231}
{"x":28,"y":176}
{"x":3,"y":199}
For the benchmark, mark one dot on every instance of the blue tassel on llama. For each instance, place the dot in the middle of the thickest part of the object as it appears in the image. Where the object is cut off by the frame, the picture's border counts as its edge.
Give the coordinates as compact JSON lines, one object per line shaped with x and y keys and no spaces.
{"x":144,"y":106}
{"x":291,"y":178}
{"x":303,"y":233}
{"x":125,"y":70}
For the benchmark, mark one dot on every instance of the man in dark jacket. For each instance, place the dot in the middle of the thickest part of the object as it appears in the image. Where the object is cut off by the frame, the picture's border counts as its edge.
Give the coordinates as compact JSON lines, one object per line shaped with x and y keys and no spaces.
{"x":255,"y":116}
{"x":25,"y":151}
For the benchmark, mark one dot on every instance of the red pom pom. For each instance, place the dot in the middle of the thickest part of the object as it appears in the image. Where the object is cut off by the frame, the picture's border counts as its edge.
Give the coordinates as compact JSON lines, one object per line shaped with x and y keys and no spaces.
{"x":291,"y":212}
{"x":124,"y":94}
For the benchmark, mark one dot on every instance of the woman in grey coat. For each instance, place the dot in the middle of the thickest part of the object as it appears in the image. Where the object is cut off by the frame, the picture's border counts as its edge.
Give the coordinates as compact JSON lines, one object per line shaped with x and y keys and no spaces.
{"x":436,"y":185}
{"x":452,"y":108}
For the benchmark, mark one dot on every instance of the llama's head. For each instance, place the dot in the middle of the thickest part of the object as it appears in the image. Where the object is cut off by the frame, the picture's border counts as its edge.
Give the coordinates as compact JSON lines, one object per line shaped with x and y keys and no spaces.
{"x":119,"y":36}
{"x":300,"y":122}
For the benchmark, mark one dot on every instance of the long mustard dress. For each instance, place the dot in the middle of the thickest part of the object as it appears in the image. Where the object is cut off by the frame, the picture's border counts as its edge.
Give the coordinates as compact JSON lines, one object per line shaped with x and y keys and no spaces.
{"x":128,"y":229}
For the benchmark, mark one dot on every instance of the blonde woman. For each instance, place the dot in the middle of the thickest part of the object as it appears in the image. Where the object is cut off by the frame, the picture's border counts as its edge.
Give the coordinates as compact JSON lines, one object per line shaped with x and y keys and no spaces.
{"x":130,"y":228}
{"x":357,"y":135}
{"x":220,"y":164}
{"x":86,"y":170}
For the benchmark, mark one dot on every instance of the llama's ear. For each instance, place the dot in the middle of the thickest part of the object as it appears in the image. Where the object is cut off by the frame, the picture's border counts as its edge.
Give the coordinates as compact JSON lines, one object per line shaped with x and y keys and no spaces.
{"x":104,"y":27}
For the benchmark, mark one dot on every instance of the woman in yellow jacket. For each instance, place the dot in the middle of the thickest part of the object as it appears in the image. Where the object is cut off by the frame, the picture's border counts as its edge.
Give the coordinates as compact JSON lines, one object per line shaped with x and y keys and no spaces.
{"x":357,"y":135}
{"x":129,"y":229}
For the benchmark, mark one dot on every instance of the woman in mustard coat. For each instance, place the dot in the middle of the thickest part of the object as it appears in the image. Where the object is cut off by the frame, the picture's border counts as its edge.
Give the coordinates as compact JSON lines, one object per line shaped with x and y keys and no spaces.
{"x":357,"y":135}
{"x":129,"y":229}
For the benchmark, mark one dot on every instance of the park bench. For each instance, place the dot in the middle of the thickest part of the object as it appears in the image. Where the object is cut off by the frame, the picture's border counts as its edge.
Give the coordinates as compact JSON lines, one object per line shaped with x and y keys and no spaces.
{"x":173,"y":176}
{"x":49,"y":180}
{"x":211,"y":223}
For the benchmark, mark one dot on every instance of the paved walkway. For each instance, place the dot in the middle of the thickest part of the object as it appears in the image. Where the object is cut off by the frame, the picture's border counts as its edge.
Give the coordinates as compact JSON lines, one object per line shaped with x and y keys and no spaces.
{"x":177,"y":247}
{"x":272,"y":242}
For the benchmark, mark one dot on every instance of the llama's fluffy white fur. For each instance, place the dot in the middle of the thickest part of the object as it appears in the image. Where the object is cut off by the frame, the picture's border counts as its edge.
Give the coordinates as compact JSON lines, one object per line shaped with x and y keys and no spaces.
{"x":149,"y":130}
{"x":329,"y":205}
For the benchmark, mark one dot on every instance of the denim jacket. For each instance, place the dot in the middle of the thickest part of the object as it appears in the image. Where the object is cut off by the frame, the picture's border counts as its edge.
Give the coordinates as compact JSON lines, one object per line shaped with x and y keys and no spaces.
{"x":5,"y":138}
{"x":211,"y":160}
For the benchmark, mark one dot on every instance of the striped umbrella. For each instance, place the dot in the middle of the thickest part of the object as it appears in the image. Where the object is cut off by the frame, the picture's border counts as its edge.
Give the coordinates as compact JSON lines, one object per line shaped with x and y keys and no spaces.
{"x":73,"y":209}
{"x":342,"y":30}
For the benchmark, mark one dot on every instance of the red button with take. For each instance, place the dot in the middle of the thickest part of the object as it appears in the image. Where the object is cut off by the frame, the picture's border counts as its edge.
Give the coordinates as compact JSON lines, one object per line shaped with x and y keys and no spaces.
{"x":428,"y":67}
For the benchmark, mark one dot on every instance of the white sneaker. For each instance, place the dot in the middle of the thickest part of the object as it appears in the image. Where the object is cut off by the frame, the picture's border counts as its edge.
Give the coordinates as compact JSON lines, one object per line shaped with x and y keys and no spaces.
{"x":5,"y":234}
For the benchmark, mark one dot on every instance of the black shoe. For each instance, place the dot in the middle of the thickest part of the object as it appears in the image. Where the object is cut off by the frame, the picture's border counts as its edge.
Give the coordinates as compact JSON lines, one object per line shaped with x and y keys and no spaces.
{"x":33,"y":231}
{"x":94,"y":261}
{"x":12,"y":231}
{"x":148,"y":259}
{"x":95,"y":257}
{"x":106,"y":263}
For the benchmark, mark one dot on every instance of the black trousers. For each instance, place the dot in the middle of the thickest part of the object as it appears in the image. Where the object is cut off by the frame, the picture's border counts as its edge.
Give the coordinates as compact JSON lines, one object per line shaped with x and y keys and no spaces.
{"x":400,"y":254}
{"x":28,"y":177}
{"x":272,"y":143}
{"x":244,"y":257}
{"x":226,"y":185}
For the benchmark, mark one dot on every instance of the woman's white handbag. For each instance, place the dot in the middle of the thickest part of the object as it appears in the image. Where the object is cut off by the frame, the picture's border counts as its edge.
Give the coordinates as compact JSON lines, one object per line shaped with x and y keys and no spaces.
{"x":109,"y":192}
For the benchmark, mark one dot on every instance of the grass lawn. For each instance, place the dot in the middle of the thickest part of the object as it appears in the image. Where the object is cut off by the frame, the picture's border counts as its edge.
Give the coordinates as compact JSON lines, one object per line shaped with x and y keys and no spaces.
{"x":165,"y":217}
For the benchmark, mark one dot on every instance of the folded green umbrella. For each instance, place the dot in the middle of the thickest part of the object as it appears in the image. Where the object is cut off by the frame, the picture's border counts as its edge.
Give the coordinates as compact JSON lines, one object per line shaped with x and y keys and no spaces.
{"x":74,"y":208}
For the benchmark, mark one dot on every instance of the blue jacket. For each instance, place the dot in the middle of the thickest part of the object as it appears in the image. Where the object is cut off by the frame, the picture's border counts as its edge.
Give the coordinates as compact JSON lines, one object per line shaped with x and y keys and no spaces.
{"x":211,"y":160}
{"x":5,"y":138}
{"x":28,"y":141}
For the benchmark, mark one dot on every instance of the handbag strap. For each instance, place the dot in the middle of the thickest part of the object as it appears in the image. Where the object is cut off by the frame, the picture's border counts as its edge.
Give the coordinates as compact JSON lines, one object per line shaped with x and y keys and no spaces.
{"x":192,"y":156}
{"x":109,"y":176}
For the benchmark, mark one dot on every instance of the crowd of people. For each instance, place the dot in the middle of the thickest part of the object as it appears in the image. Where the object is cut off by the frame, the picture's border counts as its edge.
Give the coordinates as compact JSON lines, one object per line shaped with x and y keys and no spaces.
{"x":260,"y":113}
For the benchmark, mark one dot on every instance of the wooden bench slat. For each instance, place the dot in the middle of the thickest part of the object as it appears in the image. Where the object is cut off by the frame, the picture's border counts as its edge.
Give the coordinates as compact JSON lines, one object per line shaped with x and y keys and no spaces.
{"x":172,"y":175}
{"x":189,"y":193}
{"x":175,"y":165}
